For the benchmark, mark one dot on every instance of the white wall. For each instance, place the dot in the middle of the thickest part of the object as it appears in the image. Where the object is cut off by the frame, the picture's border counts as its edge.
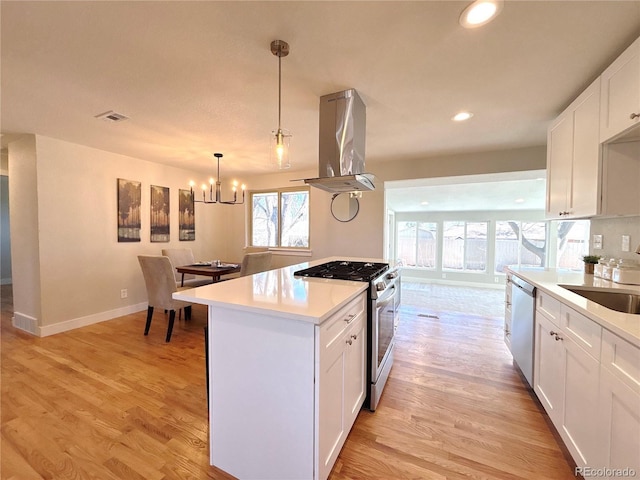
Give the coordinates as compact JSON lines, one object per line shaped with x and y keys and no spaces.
{"x":364,"y":236}
{"x":25,"y":249}
{"x":69,"y":268}
{"x":612,"y":230}
{"x":64,"y":231}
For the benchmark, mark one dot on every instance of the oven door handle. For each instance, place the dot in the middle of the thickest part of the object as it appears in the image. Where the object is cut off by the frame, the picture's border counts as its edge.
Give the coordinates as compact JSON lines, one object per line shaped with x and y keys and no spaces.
{"x":387,"y":295}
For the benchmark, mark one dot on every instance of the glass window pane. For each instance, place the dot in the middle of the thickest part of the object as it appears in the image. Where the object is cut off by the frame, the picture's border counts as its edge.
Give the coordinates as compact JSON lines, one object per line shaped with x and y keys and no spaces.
{"x":264,"y":226}
{"x":295,"y":219}
{"x":507,"y":245}
{"x":427,"y":245}
{"x":533,"y":244}
{"x":406,"y":243}
{"x":573,"y":243}
{"x":476,"y":246}
{"x":453,"y":245}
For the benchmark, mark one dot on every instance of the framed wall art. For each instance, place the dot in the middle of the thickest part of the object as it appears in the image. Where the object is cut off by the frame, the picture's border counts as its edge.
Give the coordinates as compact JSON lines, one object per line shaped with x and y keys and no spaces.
{"x":160,"y":214}
{"x":129,"y":200}
{"x":187,"y":220}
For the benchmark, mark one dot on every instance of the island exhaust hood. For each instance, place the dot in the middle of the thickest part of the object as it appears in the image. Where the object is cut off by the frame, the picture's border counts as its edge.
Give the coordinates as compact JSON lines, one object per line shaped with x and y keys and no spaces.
{"x":341,"y":145}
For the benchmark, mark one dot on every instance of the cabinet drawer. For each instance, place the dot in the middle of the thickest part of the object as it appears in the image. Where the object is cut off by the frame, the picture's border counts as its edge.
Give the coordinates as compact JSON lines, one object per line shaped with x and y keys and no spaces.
{"x":582,"y":330}
{"x":334,"y":327}
{"x":549,"y":306}
{"x":622,"y":359}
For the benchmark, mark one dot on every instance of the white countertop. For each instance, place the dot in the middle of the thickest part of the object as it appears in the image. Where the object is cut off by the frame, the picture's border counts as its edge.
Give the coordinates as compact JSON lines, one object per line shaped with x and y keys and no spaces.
{"x":278,"y":292}
{"x":625,"y":325}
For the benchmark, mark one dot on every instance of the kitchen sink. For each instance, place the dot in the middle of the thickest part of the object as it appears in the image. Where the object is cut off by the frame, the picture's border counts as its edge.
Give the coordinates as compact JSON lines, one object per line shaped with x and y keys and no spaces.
{"x":619,"y":301}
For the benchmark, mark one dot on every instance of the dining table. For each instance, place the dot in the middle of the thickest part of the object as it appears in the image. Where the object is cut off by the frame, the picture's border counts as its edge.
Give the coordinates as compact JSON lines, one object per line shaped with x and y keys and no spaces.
{"x":213,"y":270}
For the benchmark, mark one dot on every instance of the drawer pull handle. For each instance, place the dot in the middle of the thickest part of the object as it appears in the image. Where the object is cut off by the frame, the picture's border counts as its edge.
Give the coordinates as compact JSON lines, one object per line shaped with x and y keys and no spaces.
{"x":354,"y":337}
{"x":633,"y":116}
{"x":350,"y":342}
{"x":558,"y":337}
{"x":350,"y":318}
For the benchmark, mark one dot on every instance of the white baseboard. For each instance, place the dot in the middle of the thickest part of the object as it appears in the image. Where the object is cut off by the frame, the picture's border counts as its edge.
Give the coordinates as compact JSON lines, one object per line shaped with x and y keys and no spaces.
{"x":458,"y":283}
{"x":30,"y":324}
{"x":72,"y":324}
{"x":25,"y":322}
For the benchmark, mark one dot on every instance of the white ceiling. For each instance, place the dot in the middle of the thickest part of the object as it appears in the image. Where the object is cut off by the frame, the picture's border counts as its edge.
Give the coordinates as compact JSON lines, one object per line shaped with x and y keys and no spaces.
{"x":199,"y":77}
{"x":497,"y":191}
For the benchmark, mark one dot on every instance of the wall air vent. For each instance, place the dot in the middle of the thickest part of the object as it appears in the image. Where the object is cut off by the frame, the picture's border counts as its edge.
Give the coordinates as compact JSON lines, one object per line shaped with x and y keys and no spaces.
{"x":111,"y":116}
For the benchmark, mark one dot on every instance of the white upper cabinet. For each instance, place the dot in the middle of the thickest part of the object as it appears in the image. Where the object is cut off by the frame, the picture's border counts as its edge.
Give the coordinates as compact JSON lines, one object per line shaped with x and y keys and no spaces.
{"x":620,"y":94}
{"x":573,"y":158}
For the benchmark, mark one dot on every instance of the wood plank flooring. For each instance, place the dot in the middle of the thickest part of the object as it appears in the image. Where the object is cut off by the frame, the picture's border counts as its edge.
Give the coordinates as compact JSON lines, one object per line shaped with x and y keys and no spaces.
{"x":106,"y":402}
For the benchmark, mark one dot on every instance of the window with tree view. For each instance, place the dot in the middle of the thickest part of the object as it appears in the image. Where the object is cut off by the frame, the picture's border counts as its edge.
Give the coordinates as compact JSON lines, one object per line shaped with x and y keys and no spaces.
{"x":280,"y":218}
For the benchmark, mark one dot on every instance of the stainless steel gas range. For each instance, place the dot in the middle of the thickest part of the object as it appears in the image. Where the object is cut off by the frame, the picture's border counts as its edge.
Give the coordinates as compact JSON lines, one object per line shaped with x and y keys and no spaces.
{"x":383,"y":304}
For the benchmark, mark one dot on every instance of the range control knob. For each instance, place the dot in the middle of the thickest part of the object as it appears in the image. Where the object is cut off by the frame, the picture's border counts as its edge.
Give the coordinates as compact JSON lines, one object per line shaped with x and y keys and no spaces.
{"x":380,"y":286}
{"x":392,"y":275}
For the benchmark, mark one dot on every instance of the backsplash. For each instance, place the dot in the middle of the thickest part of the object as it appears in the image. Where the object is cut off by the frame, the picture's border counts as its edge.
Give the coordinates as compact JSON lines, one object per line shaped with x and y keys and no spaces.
{"x":612,"y":230}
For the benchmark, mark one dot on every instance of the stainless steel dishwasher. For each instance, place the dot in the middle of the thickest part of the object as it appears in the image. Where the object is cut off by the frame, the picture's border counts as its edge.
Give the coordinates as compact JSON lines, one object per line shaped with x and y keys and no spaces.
{"x":523,"y":305}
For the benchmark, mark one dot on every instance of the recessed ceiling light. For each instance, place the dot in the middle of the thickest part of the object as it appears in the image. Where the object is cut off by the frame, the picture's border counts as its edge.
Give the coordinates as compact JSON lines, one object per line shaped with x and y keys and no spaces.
{"x":462,"y":116}
{"x":480,"y":13}
{"x":519,"y":200}
{"x":424,"y":203}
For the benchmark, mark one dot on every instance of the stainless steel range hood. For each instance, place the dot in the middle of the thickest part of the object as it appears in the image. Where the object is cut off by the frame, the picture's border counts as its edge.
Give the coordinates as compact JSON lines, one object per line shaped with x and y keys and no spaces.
{"x":342,"y":144}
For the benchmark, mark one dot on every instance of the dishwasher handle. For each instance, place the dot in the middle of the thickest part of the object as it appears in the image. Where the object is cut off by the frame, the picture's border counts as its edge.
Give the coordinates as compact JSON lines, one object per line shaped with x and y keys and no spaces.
{"x":524,"y":286}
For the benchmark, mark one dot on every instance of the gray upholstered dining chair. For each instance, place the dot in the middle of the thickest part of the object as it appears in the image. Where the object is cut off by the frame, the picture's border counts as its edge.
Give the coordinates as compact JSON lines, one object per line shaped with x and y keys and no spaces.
{"x":158,"y":273}
{"x":255,"y":262}
{"x":180,"y":257}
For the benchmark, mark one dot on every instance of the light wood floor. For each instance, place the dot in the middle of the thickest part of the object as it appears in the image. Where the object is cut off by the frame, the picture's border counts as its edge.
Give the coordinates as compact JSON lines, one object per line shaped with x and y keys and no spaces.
{"x":105,"y":402}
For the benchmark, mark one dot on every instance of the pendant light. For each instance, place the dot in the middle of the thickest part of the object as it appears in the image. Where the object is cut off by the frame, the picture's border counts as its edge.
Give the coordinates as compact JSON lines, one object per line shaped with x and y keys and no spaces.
{"x":280,"y":138}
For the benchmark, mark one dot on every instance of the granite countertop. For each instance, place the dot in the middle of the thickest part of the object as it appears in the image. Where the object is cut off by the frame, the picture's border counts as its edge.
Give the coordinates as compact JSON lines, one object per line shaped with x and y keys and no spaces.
{"x":279,"y":293}
{"x":549,"y":280}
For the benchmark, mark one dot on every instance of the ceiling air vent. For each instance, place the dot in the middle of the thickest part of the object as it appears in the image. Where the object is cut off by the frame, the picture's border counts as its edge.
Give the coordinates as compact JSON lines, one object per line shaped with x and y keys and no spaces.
{"x":111,"y":116}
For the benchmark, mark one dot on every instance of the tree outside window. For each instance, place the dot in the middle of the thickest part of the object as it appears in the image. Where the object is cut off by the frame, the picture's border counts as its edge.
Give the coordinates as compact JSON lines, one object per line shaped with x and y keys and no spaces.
{"x":280,"y":218}
{"x":417,"y":244}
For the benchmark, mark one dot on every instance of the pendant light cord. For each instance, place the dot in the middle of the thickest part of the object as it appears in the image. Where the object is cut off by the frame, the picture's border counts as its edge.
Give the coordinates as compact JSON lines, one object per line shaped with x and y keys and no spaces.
{"x":279,"y":90}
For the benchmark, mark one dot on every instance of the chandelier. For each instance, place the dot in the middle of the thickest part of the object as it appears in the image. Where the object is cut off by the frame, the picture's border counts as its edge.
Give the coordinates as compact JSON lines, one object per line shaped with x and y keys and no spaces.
{"x":217,"y":196}
{"x":280,"y":138}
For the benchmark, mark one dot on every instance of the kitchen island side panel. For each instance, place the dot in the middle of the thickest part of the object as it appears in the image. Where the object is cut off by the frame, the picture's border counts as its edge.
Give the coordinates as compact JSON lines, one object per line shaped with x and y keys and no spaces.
{"x":261,"y":395}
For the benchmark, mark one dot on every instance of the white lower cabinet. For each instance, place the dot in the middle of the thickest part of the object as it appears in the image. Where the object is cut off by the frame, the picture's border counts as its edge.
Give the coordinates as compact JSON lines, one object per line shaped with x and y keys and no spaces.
{"x":547,"y":371}
{"x":619,"y":407}
{"x":580,"y":408}
{"x":566,"y":380}
{"x":283,"y":393}
{"x":341,"y":381}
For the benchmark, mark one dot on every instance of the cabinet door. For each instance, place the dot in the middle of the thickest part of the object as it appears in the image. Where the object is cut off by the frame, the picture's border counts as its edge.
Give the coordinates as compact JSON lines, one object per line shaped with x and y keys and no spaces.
{"x":585,"y":171}
{"x":559,"y":157}
{"x":580,"y":409}
{"x":620,"y":93}
{"x":548,"y":371}
{"x":618,"y":424}
{"x":331,"y":406}
{"x":355,"y":370}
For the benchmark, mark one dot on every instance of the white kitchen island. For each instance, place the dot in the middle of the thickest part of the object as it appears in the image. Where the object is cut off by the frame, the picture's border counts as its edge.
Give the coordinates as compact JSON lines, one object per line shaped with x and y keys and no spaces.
{"x":287,"y":371}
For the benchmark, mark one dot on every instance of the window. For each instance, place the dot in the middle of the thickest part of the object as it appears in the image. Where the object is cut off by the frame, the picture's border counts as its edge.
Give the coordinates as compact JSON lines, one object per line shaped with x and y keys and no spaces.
{"x":464,"y":246}
{"x":520,"y":243}
{"x":573,"y":243}
{"x":417,"y":244}
{"x":280,"y":218}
